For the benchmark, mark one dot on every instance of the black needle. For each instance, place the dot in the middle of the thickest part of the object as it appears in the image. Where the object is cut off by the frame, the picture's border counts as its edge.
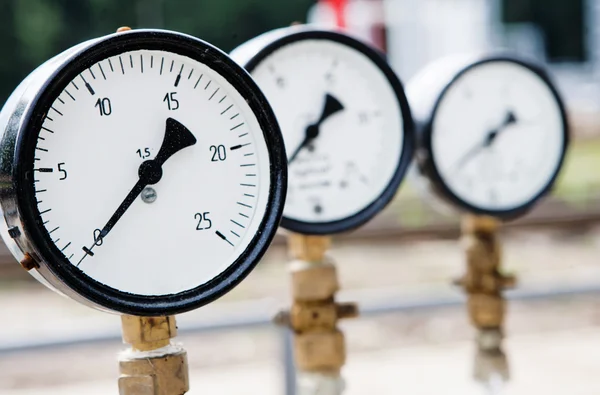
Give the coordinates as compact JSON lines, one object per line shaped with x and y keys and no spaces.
{"x":177,"y":137}
{"x":331,"y":106}
{"x":489,"y":139}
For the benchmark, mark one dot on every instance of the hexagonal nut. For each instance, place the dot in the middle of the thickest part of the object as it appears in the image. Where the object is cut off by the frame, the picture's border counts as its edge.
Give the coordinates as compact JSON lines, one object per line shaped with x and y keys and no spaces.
{"x":164,"y":375}
{"x":486,"y":311}
{"x":320,"y":351}
{"x":148,"y":333}
{"x":314,"y":282}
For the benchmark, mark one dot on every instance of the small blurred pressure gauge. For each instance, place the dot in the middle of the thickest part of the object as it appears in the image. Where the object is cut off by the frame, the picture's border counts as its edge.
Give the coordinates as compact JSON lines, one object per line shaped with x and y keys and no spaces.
{"x":491,"y":133}
{"x":143,"y":173}
{"x":345,"y":120}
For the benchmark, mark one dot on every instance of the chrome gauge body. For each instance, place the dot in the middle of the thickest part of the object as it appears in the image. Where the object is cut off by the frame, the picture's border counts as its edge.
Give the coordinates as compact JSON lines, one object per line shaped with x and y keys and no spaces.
{"x":492,"y":133}
{"x":345,"y":121}
{"x":144,"y":172}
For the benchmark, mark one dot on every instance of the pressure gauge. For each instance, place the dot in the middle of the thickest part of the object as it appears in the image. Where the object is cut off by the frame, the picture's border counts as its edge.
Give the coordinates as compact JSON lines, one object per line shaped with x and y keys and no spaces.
{"x":144,"y":173}
{"x":346,"y":124}
{"x":492,"y":133}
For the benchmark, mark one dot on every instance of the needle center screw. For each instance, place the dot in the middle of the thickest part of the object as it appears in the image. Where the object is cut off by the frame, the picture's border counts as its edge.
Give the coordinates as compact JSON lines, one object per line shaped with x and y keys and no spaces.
{"x":148,"y":195}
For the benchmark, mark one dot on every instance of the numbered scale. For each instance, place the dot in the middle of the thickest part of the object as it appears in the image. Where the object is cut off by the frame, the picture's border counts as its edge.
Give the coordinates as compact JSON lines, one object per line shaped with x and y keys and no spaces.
{"x":492,"y":133}
{"x":346,"y":124}
{"x":144,"y":173}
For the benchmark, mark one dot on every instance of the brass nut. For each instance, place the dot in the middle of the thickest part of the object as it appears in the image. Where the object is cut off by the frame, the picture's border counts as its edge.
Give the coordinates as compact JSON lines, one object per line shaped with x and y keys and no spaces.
{"x":347,"y":310}
{"x":486,"y":311}
{"x":314,"y":282}
{"x":148,"y":333}
{"x":489,"y":339}
{"x":304,"y":316}
{"x":28,"y":262}
{"x":320,"y":351}
{"x":166,"y":375}
{"x":308,"y":248}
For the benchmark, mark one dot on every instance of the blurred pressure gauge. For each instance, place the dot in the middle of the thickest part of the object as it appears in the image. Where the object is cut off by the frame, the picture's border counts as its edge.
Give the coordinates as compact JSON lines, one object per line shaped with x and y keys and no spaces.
{"x":345,"y":120}
{"x":143,"y":173}
{"x":492,"y":133}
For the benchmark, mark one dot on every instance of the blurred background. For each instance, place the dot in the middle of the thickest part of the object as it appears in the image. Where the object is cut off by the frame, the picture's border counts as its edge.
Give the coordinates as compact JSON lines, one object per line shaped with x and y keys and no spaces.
{"x":414,"y":336}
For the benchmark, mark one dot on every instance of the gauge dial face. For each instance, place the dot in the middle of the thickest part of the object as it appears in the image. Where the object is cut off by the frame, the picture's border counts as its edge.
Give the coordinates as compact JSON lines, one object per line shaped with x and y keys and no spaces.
{"x":343,"y":125}
{"x":498,"y":136}
{"x":151,"y":172}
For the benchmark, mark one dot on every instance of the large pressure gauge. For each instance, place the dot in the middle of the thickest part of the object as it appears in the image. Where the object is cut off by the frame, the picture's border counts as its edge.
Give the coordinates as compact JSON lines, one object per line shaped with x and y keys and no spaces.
{"x":492,"y":133}
{"x":345,"y":121}
{"x":143,"y":173}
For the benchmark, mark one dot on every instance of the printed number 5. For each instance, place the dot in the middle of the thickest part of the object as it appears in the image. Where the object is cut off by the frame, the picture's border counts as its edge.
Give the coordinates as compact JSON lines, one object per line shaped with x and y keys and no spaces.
{"x":203,"y":217}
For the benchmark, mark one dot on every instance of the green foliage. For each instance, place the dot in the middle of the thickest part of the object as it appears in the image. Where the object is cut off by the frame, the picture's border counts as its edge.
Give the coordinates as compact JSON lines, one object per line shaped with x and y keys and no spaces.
{"x":34,"y":30}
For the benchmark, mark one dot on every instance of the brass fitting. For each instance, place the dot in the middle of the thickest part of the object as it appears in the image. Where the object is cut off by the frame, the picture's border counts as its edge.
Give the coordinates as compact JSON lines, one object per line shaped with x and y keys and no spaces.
{"x":483,"y":281}
{"x":153,"y":366}
{"x":319,"y":345}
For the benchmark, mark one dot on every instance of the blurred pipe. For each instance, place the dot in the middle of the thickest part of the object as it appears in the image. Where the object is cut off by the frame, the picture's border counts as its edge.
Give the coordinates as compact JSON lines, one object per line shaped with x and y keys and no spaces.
{"x":255,"y":315}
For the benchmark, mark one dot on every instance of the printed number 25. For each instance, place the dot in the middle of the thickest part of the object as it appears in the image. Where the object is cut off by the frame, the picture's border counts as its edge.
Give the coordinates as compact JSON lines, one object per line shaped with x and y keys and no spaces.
{"x":203,"y":221}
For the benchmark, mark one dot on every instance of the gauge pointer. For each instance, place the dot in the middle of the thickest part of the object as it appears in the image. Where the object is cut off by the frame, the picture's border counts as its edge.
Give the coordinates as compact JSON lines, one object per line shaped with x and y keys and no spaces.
{"x":177,"y":137}
{"x":489,"y":139}
{"x":331,"y":106}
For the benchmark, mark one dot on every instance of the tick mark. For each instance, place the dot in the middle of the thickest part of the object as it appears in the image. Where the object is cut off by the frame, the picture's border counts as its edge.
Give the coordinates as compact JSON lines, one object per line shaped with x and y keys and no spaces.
{"x":70,"y":95}
{"x":60,"y":100}
{"x":75,"y":85}
{"x":89,"y":87}
{"x":87,"y":251}
{"x":151,"y":61}
{"x":238,"y":146}
{"x":235,"y":115}
{"x":45,"y":222}
{"x":172,"y":63}
{"x":162,"y":63}
{"x":45,"y":170}
{"x":47,"y":130}
{"x":41,"y":149}
{"x":213,"y":95}
{"x":65,"y":247}
{"x":69,"y":258}
{"x":177,"y":79}
{"x":243,"y":215}
{"x":251,"y":175}
{"x":92,"y":73}
{"x":48,"y":118}
{"x":53,"y":229}
{"x":41,"y":190}
{"x":101,"y":70}
{"x":131,"y":61}
{"x":248,"y":185}
{"x":244,"y":204}
{"x":236,"y":126}
{"x":249,"y":154}
{"x":59,"y":113}
{"x":242,"y":135}
{"x":111,"y":66}
{"x":197,"y":82}
{"x":142,"y":63}
{"x":248,"y":164}
{"x":223,"y":237}
{"x":191,"y":72}
{"x":235,"y":234}
{"x":227,"y":109}
{"x":207,"y":85}
{"x":249,"y":195}
{"x":238,"y":224}
{"x":45,"y":211}
{"x":223,"y":98}
{"x":122,"y":68}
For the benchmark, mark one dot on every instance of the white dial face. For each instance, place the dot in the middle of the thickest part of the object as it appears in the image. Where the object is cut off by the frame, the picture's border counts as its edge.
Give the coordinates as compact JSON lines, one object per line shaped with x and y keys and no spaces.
{"x":498,"y":136}
{"x":342,"y":126}
{"x":136,"y":220}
